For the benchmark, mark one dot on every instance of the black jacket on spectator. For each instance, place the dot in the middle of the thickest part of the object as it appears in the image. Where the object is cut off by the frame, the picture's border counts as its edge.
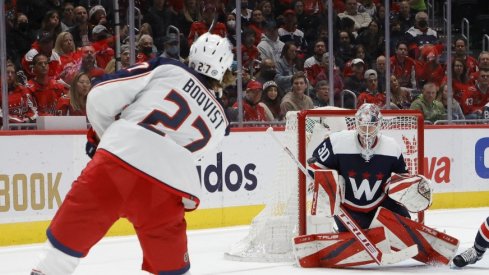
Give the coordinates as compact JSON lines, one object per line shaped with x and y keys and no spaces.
{"x":159,"y":21}
{"x":355,"y":85}
{"x":36,"y":10}
{"x":19,"y":43}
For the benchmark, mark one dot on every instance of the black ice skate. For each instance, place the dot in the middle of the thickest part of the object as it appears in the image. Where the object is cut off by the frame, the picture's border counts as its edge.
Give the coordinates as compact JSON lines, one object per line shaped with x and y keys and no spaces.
{"x":469,"y":256}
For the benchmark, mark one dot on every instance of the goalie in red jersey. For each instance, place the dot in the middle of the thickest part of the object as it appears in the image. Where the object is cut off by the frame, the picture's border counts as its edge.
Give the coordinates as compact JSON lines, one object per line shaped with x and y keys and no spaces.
{"x":366,"y":180}
{"x":151,"y":123}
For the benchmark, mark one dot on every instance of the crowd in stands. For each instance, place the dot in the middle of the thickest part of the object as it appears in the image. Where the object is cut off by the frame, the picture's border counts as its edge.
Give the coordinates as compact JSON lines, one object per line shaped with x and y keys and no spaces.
{"x":57,"y":49}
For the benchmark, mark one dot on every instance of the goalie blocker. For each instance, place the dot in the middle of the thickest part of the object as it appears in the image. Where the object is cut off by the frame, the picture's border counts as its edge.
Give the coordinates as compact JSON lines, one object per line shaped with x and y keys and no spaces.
{"x":388,"y":231}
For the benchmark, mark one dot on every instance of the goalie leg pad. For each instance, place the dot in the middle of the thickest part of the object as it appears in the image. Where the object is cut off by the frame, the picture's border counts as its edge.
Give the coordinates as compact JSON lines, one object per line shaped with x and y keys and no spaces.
{"x":337,"y":250}
{"x":319,"y":224}
{"x":434,"y":247}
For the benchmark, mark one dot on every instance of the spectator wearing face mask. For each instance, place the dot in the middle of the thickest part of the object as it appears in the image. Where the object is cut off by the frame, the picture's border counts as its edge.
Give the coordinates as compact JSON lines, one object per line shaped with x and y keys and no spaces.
{"x":171,"y":47}
{"x":267,"y":71}
{"x":145,"y":48}
{"x":19,"y":38}
{"x":420,"y":34}
{"x":125,"y":60}
{"x":231,"y":28}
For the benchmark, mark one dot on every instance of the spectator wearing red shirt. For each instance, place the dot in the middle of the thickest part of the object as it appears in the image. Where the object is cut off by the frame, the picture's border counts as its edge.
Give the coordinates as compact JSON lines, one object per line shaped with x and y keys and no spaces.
{"x":257,"y":24}
{"x":460,"y":79}
{"x":44,"y":90}
{"x":483,"y":63}
{"x":145,"y":49}
{"x":475,"y":97}
{"x":428,"y":68}
{"x":372,"y":94}
{"x":89,"y":62}
{"x":313,"y":66}
{"x":44,"y":45}
{"x":461,"y":53}
{"x":200,"y":27}
{"x":253,"y":109}
{"x":70,"y":58}
{"x":21,"y":108}
{"x":250,"y":53}
{"x":74,"y":104}
{"x":103,"y":45}
{"x":403,"y":66}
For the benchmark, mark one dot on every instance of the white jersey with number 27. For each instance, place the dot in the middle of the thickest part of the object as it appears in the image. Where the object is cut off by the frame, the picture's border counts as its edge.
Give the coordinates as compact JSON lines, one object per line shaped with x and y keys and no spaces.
{"x":159,"y":118}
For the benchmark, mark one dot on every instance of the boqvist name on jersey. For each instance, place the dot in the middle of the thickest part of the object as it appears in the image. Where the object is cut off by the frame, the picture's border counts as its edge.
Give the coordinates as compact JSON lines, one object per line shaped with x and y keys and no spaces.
{"x":208,"y":105}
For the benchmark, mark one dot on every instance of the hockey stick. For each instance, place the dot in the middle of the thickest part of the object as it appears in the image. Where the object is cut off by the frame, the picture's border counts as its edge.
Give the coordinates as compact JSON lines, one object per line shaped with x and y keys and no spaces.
{"x":378,"y":256}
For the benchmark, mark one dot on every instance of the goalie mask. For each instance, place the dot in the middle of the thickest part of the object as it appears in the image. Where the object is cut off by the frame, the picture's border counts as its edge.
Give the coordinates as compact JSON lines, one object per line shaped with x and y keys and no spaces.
{"x":368,"y":121}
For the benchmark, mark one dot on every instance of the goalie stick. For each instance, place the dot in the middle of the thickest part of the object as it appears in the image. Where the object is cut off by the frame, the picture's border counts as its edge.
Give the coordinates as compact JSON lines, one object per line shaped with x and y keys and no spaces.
{"x":378,"y":256}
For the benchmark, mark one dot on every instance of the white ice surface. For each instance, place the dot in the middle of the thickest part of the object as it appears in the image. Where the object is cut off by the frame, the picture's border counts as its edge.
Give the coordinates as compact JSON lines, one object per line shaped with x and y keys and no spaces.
{"x":122,"y":255}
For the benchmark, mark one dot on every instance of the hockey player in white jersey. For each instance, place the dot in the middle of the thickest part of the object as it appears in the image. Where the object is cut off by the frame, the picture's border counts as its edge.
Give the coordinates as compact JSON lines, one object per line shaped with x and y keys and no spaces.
{"x":151,"y":123}
{"x":375,"y":192}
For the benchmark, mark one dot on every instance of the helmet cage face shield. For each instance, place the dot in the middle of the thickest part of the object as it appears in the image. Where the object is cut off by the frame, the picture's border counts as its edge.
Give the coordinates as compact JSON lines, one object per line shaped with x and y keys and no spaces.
{"x":368,"y":122}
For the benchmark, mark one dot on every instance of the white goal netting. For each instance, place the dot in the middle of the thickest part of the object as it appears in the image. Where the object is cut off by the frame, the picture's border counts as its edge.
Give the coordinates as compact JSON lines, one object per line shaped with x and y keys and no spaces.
{"x":286,"y":212}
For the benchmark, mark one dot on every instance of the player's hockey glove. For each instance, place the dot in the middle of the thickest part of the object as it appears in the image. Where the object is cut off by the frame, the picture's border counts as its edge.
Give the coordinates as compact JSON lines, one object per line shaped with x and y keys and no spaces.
{"x":92,"y":142}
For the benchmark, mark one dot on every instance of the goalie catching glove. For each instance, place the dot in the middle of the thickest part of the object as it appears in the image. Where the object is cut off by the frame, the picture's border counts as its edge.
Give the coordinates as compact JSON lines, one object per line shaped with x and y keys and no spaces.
{"x":413,"y":191}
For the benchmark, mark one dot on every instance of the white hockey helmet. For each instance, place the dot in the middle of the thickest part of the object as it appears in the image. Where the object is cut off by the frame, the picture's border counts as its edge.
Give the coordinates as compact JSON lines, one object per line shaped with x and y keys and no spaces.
{"x":211,"y":55}
{"x":368,"y":120}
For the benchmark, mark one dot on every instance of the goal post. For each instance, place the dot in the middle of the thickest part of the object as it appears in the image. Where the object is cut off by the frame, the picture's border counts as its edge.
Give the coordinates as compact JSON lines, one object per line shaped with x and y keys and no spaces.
{"x":287,"y":210}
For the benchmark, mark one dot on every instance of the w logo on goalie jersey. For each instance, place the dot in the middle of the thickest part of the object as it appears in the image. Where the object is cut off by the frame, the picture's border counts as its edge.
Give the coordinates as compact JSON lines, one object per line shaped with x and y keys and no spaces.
{"x":364,"y":188}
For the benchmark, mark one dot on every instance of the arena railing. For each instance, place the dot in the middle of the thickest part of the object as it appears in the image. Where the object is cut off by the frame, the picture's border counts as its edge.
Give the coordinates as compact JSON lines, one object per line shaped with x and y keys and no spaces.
{"x":462,"y":121}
